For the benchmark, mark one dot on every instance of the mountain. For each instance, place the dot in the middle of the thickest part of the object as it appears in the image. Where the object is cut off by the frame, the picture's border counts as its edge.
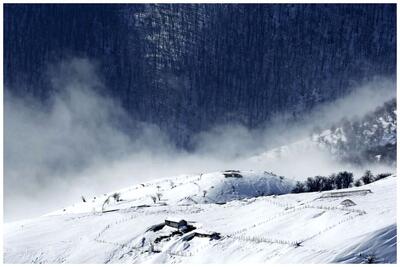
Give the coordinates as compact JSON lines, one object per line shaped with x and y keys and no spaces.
{"x":369,"y":139}
{"x":353,"y":225}
{"x":372,"y":138}
{"x":189,"y":67}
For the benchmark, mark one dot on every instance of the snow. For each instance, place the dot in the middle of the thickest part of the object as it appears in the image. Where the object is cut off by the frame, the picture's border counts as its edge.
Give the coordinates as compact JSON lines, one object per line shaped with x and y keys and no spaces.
{"x":303,"y":146}
{"x":187,"y":190}
{"x":286,"y":228}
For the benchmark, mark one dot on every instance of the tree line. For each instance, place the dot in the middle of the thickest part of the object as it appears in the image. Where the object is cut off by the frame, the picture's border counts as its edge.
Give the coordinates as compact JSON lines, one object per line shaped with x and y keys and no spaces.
{"x":336,"y":181}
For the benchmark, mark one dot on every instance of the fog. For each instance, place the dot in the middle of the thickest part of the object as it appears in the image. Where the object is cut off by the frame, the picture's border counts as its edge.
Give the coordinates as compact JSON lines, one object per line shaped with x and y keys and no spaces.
{"x":78,"y":143}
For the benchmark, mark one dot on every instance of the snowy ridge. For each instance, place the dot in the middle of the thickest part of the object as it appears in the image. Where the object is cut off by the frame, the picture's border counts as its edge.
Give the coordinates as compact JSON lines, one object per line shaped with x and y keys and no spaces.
{"x":289,"y":228}
{"x":372,"y":138}
{"x":188,"y":189}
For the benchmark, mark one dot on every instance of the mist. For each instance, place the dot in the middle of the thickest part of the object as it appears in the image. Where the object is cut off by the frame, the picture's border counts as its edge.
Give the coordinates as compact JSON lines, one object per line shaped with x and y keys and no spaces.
{"x":78,"y":145}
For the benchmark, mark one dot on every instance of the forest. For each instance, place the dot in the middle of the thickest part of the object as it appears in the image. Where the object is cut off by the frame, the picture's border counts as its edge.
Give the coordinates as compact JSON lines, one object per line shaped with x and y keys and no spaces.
{"x":189,"y":67}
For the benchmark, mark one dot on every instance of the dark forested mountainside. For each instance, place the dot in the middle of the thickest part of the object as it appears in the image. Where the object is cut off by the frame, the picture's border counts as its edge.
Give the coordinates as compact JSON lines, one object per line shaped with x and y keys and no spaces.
{"x":188,"y":67}
{"x":372,"y":138}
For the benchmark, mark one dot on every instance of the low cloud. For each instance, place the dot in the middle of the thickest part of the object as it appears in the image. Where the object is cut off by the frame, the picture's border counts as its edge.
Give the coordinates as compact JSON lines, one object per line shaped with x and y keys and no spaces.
{"x":83,"y":143}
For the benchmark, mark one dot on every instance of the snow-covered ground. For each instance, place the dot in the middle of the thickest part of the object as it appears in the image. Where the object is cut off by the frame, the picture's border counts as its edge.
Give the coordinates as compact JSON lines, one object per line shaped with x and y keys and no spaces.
{"x":259,"y":221}
{"x":189,"y":189}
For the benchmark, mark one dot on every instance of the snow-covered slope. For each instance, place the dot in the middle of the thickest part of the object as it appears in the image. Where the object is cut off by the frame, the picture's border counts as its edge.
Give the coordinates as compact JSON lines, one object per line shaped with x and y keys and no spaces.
{"x":306,"y":145}
{"x":370,"y":139}
{"x":189,"y":189}
{"x":287,"y":228}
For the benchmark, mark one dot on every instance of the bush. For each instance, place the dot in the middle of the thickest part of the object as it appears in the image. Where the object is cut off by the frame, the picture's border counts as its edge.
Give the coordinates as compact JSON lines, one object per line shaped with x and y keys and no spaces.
{"x":358,"y":183}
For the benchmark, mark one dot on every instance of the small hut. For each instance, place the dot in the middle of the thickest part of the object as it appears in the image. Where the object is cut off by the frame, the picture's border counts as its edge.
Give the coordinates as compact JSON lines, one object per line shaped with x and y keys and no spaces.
{"x":232,"y":173}
{"x":175,"y":223}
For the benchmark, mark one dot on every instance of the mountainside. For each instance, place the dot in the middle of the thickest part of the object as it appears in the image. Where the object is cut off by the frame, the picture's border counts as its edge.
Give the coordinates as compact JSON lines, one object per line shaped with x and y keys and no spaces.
{"x":372,"y":138}
{"x":352,"y":225}
{"x":189,"y":67}
{"x":101,"y":96}
{"x":369,"y":139}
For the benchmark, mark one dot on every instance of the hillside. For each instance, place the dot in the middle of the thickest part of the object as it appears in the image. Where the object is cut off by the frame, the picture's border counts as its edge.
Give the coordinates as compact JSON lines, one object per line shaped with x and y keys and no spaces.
{"x":199,"y":133}
{"x":372,"y":138}
{"x":190,"y":67}
{"x":357,"y":225}
{"x":369,"y":139}
{"x":187,"y":190}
